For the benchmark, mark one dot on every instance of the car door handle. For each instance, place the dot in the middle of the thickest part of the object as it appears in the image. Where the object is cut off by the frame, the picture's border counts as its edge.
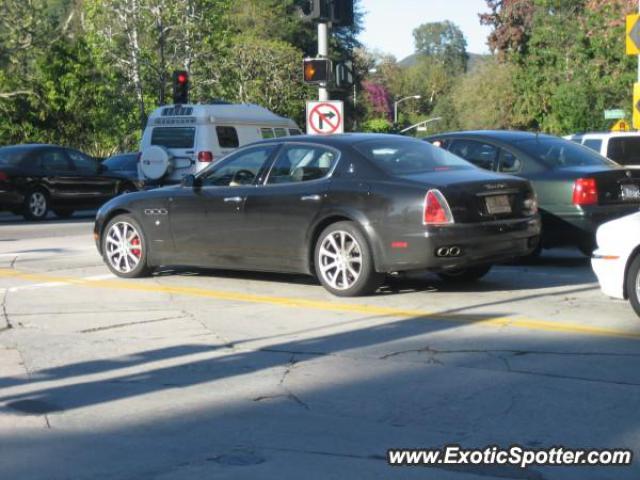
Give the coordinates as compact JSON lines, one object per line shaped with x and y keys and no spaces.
{"x":311,"y":198}
{"x":233,"y":200}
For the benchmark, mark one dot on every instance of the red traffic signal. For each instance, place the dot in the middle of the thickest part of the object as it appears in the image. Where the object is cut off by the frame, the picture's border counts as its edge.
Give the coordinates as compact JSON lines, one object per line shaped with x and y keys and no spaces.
{"x":316,"y":70}
{"x":180,"y":87}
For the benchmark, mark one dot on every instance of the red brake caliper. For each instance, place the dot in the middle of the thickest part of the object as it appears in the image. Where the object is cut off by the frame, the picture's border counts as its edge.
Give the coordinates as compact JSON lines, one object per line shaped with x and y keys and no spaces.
{"x":136,"y":251}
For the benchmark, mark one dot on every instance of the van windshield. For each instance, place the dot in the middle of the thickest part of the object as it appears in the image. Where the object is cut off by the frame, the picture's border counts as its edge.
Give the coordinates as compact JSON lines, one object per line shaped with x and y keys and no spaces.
{"x":173,"y":137}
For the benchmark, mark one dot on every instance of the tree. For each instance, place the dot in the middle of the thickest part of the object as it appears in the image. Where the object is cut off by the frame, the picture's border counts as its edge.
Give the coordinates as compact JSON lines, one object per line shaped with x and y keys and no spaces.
{"x":443,"y":41}
{"x":511,"y":21}
{"x":484,"y":98}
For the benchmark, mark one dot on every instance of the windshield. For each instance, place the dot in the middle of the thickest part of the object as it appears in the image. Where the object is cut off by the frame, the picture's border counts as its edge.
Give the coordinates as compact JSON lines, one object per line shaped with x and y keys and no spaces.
{"x":559,"y":153}
{"x":400,"y":157}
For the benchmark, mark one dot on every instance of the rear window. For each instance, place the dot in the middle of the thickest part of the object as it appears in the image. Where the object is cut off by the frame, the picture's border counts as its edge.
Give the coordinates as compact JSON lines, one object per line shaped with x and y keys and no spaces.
{"x":122,"y":162}
{"x":228,"y":137}
{"x":625,"y":150}
{"x":406,"y":157}
{"x":559,"y":153}
{"x":173,"y":137}
{"x":12,"y":156}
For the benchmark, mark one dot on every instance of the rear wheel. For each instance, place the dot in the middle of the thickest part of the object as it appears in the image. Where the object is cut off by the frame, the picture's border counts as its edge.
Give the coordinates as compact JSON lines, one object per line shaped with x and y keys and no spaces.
{"x":632,"y":284}
{"x":124,"y":247}
{"x":465,"y":275}
{"x":344,"y":262}
{"x":63,"y":212}
{"x":36,"y":205}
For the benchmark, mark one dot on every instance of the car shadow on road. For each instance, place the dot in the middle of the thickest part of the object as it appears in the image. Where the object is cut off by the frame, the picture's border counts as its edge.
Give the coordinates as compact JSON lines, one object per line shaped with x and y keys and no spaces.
{"x":321,"y":405}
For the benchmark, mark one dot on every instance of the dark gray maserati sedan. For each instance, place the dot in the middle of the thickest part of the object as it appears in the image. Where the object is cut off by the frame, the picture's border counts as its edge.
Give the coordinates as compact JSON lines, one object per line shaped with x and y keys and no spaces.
{"x":347,"y":208}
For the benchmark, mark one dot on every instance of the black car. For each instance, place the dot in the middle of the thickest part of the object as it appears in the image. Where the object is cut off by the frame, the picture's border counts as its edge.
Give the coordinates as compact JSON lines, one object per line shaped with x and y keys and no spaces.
{"x":124,"y":164}
{"x":37,"y":178}
{"x":577,"y":188}
{"x":348,"y":208}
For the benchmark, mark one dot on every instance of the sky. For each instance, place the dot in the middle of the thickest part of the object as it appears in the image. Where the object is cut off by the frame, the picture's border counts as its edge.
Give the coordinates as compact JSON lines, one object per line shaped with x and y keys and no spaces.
{"x":382,"y":16}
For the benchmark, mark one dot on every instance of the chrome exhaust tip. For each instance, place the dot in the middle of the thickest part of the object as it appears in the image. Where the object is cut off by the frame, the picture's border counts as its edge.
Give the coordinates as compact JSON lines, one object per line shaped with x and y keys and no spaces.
{"x":442,"y":252}
{"x":455,"y":251}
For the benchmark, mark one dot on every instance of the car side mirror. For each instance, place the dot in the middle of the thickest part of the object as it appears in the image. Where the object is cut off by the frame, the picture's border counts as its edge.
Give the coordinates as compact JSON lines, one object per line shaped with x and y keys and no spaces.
{"x":190,"y":181}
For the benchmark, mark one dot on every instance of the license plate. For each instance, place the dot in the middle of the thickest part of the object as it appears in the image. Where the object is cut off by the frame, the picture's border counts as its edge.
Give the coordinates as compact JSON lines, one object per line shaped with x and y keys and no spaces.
{"x":630,"y":192}
{"x":497,"y":204}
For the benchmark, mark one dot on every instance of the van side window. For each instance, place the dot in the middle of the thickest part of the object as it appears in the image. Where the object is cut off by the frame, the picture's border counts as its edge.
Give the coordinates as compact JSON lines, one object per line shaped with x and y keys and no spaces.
{"x":294,"y":131}
{"x":267,"y":133}
{"x":280,"y":132}
{"x":227,"y":137}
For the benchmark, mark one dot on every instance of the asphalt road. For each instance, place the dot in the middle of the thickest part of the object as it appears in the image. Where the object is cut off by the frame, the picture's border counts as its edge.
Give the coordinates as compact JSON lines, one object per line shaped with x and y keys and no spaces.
{"x":210,"y":374}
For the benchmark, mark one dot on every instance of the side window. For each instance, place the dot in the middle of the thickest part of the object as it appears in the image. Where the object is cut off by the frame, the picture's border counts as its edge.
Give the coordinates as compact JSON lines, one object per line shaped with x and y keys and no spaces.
{"x":480,"y":154}
{"x":240,"y":169}
{"x":441,"y":143}
{"x":294,"y":131}
{"x":54,"y":161}
{"x":509,"y":163}
{"x":83,"y":163}
{"x":267,"y":133}
{"x":593,"y":144}
{"x":301,"y":163}
{"x":280,"y":132}
{"x":227,"y":137}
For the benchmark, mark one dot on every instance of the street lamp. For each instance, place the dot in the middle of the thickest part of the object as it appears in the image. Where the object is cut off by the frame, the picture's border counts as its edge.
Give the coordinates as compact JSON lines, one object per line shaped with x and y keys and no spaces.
{"x":395,"y":106}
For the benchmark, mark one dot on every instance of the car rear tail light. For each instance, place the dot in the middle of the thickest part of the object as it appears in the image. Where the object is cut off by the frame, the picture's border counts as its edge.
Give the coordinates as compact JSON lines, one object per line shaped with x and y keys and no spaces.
{"x":206,"y":157}
{"x":436,"y":209}
{"x":585,"y":191}
{"x":3,"y":177}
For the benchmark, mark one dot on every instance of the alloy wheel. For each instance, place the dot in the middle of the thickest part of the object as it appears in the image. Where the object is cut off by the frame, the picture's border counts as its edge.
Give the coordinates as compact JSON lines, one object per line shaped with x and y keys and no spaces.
{"x":123,"y":247}
{"x":38,"y":204}
{"x":340,"y":259}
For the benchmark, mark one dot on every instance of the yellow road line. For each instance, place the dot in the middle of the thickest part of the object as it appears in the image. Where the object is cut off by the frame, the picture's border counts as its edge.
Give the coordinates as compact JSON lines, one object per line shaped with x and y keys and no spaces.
{"x":329,"y":306}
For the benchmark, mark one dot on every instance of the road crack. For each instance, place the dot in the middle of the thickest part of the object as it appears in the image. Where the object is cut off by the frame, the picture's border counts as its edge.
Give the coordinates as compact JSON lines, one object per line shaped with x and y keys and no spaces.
{"x":289,"y":394}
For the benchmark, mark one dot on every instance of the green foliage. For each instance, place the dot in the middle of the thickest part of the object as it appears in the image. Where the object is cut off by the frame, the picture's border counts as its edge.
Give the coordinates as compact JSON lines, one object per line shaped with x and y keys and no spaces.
{"x":443,"y":42}
{"x":377,"y":125}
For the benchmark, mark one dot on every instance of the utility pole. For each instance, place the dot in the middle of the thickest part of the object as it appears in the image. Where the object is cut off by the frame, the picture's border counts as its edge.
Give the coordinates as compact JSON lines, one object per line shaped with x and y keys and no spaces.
{"x":323,"y":52}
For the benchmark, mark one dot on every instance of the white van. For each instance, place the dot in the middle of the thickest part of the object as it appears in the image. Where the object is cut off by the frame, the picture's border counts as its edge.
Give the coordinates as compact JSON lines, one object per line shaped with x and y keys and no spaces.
{"x":621,"y":147}
{"x":180,"y":140}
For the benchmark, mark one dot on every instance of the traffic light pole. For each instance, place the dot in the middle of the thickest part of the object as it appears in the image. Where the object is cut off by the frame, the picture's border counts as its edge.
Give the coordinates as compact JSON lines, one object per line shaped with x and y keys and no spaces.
{"x":323,"y":52}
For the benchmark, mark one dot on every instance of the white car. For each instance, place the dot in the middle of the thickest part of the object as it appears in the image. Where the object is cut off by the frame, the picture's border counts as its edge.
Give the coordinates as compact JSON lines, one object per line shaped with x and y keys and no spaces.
{"x":616,"y":262}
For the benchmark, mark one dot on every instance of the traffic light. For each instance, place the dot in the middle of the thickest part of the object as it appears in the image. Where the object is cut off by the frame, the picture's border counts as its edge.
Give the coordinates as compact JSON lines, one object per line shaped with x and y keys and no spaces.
{"x":338,"y":12}
{"x":319,"y":10}
{"x":344,"y":74}
{"x":316,"y":70}
{"x":180,"y":87}
{"x":342,"y":13}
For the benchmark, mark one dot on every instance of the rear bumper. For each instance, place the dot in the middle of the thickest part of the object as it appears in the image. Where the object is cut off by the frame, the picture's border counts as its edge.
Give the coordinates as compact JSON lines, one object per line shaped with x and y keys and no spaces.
{"x":610,"y":270}
{"x":578,"y":225}
{"x":479,"y":244}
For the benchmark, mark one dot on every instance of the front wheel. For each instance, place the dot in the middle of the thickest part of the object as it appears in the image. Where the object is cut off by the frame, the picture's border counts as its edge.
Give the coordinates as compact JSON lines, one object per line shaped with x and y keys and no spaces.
{"x":632,"y":284}
{"x":36,"y":205}
{"x":125,"y":248}
{"x":465,"y":275}
{"x":344,"y":262}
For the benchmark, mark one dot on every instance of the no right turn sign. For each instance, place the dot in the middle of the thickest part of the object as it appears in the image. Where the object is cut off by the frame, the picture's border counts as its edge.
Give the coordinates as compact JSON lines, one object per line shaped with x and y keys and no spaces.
{"x":325,"y":118}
